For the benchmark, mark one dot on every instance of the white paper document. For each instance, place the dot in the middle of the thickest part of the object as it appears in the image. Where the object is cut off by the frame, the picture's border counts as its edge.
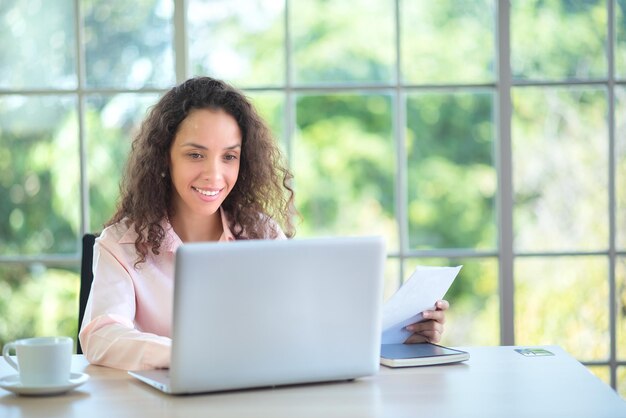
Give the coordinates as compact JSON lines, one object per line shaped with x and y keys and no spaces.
{"x":418,"y":294}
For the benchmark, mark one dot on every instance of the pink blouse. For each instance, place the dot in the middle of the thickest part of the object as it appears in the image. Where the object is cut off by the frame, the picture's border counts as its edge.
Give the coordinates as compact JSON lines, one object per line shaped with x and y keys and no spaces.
{"x":128,"y":318}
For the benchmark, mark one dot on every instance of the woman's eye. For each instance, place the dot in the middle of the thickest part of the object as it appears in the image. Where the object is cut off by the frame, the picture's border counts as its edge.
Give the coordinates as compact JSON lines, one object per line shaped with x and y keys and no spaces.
{"x":194,"y":155}
{"x":230,"y":157}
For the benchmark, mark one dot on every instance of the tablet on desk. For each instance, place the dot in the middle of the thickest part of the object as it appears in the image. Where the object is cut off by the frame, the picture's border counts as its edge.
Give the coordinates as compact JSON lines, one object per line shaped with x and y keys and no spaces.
{"x":425,"y":354}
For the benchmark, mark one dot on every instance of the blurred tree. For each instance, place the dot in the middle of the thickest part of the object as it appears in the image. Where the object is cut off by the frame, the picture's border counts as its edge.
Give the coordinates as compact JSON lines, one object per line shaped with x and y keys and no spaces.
{"x":451,"y":170}
{"x":128,"y":44}
{"x":40,"y":211}
{"x":344,"y":165}
{"x":564,"y":52}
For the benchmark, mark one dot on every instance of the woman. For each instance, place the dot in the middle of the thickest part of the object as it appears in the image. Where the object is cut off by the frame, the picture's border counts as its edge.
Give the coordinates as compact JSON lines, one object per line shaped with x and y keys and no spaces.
{"x":204,"y":167}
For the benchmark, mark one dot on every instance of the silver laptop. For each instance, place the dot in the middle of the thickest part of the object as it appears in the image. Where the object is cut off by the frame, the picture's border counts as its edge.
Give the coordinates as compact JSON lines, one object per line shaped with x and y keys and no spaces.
{"x":268,"y":313}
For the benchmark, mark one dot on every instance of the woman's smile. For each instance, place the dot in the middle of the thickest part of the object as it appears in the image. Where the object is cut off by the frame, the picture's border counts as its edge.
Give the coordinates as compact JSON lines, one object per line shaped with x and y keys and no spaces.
{"x":207,"y":192}
{"x":207,"y":195}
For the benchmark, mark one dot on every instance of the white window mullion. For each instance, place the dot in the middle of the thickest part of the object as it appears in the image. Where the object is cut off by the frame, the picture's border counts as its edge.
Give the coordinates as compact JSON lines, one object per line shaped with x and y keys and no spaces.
{"x":505,"y":176}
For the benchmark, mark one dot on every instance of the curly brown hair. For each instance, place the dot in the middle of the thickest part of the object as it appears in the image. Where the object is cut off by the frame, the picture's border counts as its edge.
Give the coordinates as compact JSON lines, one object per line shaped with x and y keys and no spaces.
{"x":261,"y":196}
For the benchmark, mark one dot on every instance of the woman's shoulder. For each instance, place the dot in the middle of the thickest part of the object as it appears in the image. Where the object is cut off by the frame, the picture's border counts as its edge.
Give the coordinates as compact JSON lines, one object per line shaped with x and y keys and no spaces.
{"x":273,"y":229}
{"x":118,"y":239}
{"x":266,"y":228}
{"x":119,"y":232}
{"x":122,"y":235}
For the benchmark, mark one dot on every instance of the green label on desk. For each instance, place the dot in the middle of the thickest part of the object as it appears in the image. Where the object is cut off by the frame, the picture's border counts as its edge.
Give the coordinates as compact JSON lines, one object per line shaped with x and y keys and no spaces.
{"x":534,"y":352}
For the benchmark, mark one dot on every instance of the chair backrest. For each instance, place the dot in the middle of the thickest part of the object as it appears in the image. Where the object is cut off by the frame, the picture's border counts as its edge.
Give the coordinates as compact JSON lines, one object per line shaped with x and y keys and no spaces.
{"x":86,"y":277}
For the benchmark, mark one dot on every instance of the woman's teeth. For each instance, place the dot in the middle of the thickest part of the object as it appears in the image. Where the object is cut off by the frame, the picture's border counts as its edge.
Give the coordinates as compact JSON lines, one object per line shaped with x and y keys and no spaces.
{"x":206,"y":192}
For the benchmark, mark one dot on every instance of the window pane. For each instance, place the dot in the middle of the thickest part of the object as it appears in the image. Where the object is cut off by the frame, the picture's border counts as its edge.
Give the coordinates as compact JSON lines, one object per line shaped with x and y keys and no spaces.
{"x":447,"y":42}
{"x":560,"y":176}
{"x":128,"y":43}
{"x":39,"y":175}
{"x":620,"y":317}
{"x":473,"y":317}
{"x":392,"y":277}
{"x":573,"y":38}
{"x":37,"y":44}
{"x":344,"y":166}
{"x":451,"y":175}
{"x":37,"y":301}
{"x":244,"y":45}
{"x":112,"y":122}
{"x":271,"y":107}
{"x":342,"y":41}
{"x":620,"y":32}
{"x":563,"y":301}
{"x":620,"y":164}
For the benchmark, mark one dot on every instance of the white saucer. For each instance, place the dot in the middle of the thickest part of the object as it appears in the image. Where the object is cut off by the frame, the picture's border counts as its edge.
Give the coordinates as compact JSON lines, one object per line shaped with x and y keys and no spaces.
{"x":12,"y":383}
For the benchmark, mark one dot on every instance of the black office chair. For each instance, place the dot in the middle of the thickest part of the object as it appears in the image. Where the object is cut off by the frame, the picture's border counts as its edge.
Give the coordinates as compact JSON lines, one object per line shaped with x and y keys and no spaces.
{"x":86,"y":277}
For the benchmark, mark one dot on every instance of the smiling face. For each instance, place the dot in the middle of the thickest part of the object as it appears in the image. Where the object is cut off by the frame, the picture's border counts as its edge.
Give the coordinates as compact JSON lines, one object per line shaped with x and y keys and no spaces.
{"x":204,"y":165}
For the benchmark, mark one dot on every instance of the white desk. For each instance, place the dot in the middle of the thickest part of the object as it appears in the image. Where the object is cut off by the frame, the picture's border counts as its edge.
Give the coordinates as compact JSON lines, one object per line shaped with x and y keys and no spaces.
{"x":495,"y":382}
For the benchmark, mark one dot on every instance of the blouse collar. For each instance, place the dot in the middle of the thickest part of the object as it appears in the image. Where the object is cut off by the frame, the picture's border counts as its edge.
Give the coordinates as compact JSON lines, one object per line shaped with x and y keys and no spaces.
{"x":172,"y":241}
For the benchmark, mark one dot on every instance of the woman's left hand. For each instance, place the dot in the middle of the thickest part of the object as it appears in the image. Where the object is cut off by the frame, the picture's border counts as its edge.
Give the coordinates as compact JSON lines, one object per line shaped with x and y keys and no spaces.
{"x":430,"y":329}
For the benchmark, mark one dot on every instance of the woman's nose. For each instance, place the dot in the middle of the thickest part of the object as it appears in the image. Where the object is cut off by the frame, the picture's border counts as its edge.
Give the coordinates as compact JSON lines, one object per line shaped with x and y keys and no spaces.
{"x":210,"y":169}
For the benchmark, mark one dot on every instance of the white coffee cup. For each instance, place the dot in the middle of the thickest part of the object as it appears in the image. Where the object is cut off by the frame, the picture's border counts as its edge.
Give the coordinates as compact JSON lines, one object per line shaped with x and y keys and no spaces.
{"x":42,"y":361}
